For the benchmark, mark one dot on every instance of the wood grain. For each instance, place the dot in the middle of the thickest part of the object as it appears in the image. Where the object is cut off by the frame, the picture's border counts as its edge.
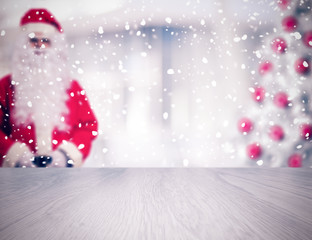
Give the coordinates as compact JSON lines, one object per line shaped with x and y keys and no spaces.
{"x":167,"y":203}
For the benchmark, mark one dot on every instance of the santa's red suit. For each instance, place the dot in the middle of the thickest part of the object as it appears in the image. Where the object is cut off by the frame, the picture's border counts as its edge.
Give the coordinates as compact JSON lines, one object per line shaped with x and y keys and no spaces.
{"x":75,"y":141}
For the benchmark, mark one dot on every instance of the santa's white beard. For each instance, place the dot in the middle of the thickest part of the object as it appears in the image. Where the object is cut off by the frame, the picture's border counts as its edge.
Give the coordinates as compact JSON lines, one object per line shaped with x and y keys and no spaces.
{"x":41,"y":79}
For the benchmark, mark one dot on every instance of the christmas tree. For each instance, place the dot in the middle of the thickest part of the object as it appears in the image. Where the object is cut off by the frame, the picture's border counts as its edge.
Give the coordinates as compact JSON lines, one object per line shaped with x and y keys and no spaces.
{"x":277,"y":128}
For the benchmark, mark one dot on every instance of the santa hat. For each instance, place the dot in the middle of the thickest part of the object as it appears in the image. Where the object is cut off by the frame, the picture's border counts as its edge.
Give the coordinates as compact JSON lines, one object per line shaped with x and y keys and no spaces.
{"x":40,"y":20}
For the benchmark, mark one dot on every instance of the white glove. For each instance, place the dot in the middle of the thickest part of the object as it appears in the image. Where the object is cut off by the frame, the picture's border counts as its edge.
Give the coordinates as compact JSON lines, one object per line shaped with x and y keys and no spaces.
{"x":26,"y":161}
{"x":58,"y":159}
{"x":19,"y":155}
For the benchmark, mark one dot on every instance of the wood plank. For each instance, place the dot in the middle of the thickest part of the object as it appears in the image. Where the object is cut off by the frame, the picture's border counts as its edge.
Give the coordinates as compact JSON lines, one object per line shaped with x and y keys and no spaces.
{"x":171,"y":203}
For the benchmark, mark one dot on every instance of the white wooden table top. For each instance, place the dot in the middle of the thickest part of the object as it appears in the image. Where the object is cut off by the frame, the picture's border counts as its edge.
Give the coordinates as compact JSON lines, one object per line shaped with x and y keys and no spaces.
{"x":196,"y":203}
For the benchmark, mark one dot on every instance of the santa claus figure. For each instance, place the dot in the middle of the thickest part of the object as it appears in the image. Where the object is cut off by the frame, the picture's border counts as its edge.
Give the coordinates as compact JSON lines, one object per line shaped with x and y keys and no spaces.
{"x":45,"y":116}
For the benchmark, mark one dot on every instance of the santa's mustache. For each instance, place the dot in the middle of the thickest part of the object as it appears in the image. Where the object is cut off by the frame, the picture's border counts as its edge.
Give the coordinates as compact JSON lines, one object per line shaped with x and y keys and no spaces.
{"x":40,"y":53}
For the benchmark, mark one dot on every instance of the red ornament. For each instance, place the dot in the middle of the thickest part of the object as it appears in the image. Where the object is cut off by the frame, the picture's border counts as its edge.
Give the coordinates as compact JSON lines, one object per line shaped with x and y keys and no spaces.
{"x":283,"y":4}
{"x":265,"y":67}
{"x":306,"y":131}
{"x":279,"y":45}
{"x":281,"y":100}
{"x":245,"y":125}
{"x":259,"y":94}
{"x":276,"y":133}
{"x":307,"y":39}
{"x":295,"y":160}
{"x":254,"y":151}
{"x":289,"y":23}
{"x":302,"y":66}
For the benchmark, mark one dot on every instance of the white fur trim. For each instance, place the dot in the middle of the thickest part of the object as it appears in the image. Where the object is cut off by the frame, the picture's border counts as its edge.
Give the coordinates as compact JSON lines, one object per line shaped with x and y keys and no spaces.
{"x":16,"y":151}
{"x":73,"y":152}
{"x":44,"y":139}
{"x":39,"y":27}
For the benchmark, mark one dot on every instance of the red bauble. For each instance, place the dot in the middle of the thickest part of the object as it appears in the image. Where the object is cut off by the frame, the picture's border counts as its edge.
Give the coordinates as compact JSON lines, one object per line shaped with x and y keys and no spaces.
{"x":281,"y":100}
{"x":302,"y":66}
{"x":295,"y":160}
{"x":307,"y":39}
{"x":276,"y":133}
{"x":259,"y":94}
{"x":306,"y":131}
{"x":254,"y":151}
{"x":265,"y":67}
{"x":245,"y":125}
{"x":279,"y":45}
{"x":289,"y":23}
{"x":283,"y":4}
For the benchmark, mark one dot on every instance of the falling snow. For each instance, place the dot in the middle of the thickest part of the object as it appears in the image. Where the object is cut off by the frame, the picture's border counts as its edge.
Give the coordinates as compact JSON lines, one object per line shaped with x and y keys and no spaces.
{"x":100,"y":30}
{"x":168,"y":20}
{"x":170,"y":71}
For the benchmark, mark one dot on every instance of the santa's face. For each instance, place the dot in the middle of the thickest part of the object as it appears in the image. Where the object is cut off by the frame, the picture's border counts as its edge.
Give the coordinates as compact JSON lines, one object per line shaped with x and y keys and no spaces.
{"x":39,"y":40}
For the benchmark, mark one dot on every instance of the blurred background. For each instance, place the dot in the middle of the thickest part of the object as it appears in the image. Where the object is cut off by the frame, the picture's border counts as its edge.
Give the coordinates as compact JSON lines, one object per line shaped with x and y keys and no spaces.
{"x":165,"y":78}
